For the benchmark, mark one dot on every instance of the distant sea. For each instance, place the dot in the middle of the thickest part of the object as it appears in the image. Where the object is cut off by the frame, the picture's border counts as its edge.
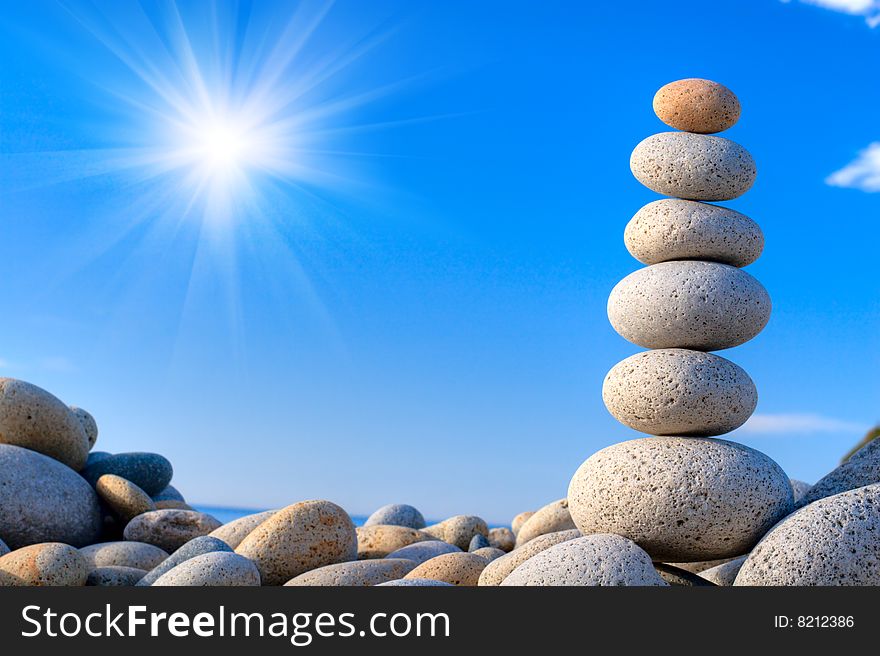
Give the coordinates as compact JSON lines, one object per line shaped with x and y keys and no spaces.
{"x":226,"y":515}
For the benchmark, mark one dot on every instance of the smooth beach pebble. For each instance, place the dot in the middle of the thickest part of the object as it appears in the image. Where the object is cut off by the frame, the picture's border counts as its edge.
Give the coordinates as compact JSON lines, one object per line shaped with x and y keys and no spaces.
{"x":357,"y":573}
{"x":149,"y":471}
{"x":218,"y":568}
{"x":680,"y":577}
{"x":42,"y":500}
{"x":498,"y":569}
{"x":455,"y":568}
{"x":419,"y":552}
{"x":195,"y":547}
{"x":169,"y":529}
{"x":459,"y":530}
{"x":679,"y":392}
{"x":832,"y":541}
{"x":416,"y":583}
{"x":96,"y":456}
{"x":675,"y":229}
{"x":32,"y":418}
{"x":724,"y":574}
{"x":237,"y":530}
{"x":680,"y":498}
{"x":478,"y":542}
{"x":705,"y":306}
{"x":800,"y":489}
{"x":137,"y":555}
{"x":379,"y":540}
{"x":693,"y":166}
{"x":697,"y":105}
{"x":852,"y":474}
{"x":47,"y":564}
{"x":3,"y":548}
{"x":170,"y":493}
{"x":552,"y":518}
{"x":114,"y":576}
{"x":298,"y":538}
{"x":699,"y":566}
{"x":87,"y":421}
{"x":502,"y":538}
{"x":172,"y":504}
{"x":489,"y":553}
{"x":519,"y":520}
{"x":600,"y":559}
{"x":397,"y":514}
{"x":125,"y":498}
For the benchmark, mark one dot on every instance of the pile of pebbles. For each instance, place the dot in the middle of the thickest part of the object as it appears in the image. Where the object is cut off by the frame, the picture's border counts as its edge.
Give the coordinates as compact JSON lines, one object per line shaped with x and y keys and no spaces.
{"x":680,"y":507}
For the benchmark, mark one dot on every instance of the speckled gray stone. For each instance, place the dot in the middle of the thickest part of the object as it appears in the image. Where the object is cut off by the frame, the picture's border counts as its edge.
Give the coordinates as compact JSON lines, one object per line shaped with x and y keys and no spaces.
{"x":32,"y":418}
{"x":125,"y":498}
{"x":674,"y":229}
{"x":298,"y":538}
{"x":600,"y":559}
{"x":237,"y":530}
{"x":693,"y":166}
{"x":489,"y":553}
{"x":414,"y":583}
{"x":704,"y":306}
{"x":138,"y":555}
{"x":517,"y":522}
{"x":833,"y":541}
{"x":397,"y":514}
{"x":46,"y":564}
{"x":357,"y":573}
{"x":459,"y":530}
{"x":42,"y":500}
{"x":698,"y":566}
{"x":170,"y":493}
{"x":96,"y":456}
{"x":680,"y":498}
{"x":799,"y":488}
{"x":498,"y":569}
{"x":195,"y":547}
{"x":478,"y":542}
{"x":114,"y":576}
{"x":90,"y":426}
{"x":679,"y":392}
{"x":460,"y":568}
{"x":3,"y":548}
{"x":502,"y":538}
{"x":697,"y":105}
{"x":149,"y":471}
{"x":724,"y":574}
{"x":379,"y":540}
{"x":169,"y":529}
{"x":551,"y":518}
{"x":854,"y":473}
{"x":678,"y":577}
{"x":419,"y":552}
{"x":218,"y":568}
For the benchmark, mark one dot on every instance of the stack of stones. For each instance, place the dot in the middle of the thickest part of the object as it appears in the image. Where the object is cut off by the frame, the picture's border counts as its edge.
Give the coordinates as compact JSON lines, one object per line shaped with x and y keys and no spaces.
{"x":681,"y":495}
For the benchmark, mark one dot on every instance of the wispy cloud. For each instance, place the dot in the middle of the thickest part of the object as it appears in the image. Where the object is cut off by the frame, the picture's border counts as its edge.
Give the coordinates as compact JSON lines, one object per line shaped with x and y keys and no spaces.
{"x":786,"y":424}
{"x":862,"y":173}
{"x":869,"y":9}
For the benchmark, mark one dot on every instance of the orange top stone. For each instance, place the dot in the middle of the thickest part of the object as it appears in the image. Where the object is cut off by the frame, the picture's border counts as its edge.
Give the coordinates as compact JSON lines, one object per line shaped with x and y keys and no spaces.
{"x":696,"y":105}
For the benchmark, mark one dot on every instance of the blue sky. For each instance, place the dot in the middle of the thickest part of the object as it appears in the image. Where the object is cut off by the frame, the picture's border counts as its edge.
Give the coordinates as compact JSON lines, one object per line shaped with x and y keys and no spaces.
{"x":400,"y":295}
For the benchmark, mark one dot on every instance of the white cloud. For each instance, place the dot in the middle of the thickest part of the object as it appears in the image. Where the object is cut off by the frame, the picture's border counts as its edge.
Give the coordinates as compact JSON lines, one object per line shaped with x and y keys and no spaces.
{"x":784,"y":424}
{"x":862,"y":173}
{"x":870,"y":9}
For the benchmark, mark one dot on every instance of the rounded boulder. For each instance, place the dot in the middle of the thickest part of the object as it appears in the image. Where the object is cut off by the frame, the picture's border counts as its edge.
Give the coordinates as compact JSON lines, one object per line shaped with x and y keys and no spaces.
{"x":697,"y":105}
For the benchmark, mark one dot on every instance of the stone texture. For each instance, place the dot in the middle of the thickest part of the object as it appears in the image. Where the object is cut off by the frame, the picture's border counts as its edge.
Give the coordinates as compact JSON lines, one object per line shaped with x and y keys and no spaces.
{"x":697,"y":105}
{"x":854,"y":473}
{"x":693,"y":166}
{"x":552,"y":518}
{"x":705,"y":306}
{"x":87,"y":421}
{"x":489,"y":553}
{"x":298,"y":538}
{"x":218,"y":568}
{"x":114,"y":576}
{"x":170,"y":493}
{"x":237,"y":530}
{"x":498,"y":569}
{"x":419,"y":552}
{"x":701,"y":565}
{"x":459,"y":530}
{"x":172,"y":504}
{"x":96,"y":456}
{"x":502,"y":538}
{"x":832,"y":541}
{"x":680,"y":577}
{"x":519,"y":520}
{"x":675,"y":229}
{"x":149,"y":471}
{"x":137,"y":555}
{"x":169,"y":529}
{"x":681,"y":499}
{"x":479,"y":541}
{"x":679,"y":392}
{"x":413,"y":583}
{"x":195,"y":547}
{"x":397,"y":514}
{"x":456,"y":568}
{"x":46,"y":564}
{"x":800,"y":489}
{"x":600,"y":559}
{"x":125,"y":498}
{"x":3,"y":548}
{"x":357,"y":573}
{"x":379,"y":540}
{"x":724,"y":574}
{"x":42,"y":500}
{"x":32,"y":418}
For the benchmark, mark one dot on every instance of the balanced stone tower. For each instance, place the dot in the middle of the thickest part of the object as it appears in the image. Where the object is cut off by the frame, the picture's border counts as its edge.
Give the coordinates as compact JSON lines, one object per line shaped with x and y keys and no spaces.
{"x":681,"y":495}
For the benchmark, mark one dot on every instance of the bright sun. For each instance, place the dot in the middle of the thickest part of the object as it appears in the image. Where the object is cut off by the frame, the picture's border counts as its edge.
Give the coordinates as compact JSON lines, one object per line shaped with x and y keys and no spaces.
{"x":221,"y":145}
